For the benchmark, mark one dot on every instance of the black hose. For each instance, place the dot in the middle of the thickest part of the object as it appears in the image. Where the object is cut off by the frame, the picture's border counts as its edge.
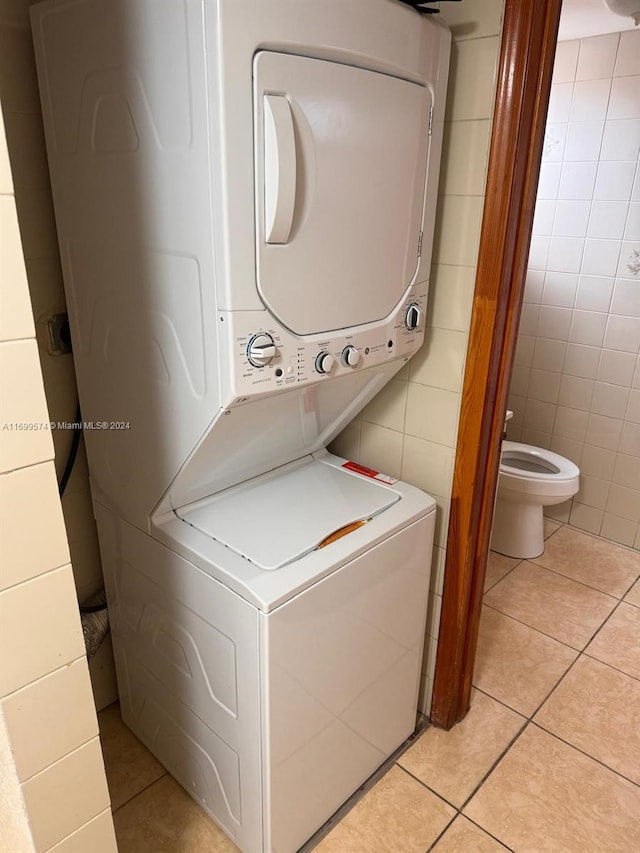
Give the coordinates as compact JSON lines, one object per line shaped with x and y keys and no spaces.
{"x":419,"y":5}
{"x":68,"y":468}
{"x":73,"y":452}
{"x":92,"y":608}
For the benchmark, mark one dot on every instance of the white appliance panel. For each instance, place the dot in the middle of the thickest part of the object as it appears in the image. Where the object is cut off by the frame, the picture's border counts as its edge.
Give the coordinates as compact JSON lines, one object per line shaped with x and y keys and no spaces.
{"x":188,"y":668}
{"x":295,"y":359}
{"x":334,"y":717}
{"x":192,"y":752}
{"x":262,"y":717}
{"x":340,"y":181}
{"x":126,"y":120}
{"x":246,"y":440}
{"x":290,"y":512}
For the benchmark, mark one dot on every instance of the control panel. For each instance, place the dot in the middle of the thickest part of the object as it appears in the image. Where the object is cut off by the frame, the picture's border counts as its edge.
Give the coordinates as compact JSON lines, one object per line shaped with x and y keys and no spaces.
{"x":267,"y":357}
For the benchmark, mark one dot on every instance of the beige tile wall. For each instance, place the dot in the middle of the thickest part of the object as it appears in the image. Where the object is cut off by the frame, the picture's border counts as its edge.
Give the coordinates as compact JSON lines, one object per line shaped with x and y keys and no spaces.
{"x":28,"y":164}
{"x":27,"y":156}
{"x":52,"y":775}
{"x":576,"y":382}
{"x":410,"y":429}
{"x":16,"y":833}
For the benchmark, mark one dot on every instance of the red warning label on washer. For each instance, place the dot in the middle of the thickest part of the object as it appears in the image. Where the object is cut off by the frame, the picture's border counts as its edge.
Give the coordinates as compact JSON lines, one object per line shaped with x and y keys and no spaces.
{"x":369,"y":472}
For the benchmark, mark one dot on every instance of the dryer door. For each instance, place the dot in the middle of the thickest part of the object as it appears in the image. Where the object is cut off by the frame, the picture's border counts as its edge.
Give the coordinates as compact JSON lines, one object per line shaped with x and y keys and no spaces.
{"x":341,"y":157}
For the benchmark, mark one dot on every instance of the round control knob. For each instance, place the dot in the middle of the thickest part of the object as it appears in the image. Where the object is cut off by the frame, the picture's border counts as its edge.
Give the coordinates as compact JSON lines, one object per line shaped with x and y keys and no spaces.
{"x":261,"y":349}
{"x":412,"y":317}
{"x":350,"y":356}
{"x":325,"y":362}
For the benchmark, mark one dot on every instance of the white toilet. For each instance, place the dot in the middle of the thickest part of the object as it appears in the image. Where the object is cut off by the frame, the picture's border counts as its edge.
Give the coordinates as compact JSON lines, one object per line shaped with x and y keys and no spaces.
{"x":530,"y":478}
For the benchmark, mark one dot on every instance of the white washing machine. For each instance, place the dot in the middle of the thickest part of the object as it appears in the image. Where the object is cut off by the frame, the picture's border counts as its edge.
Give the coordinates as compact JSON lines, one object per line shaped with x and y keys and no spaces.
{"x":245,"y":194}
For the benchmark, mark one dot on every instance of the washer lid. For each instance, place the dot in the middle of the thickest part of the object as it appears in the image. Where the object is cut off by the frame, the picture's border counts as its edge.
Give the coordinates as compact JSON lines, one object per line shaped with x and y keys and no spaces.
{"x":279,"y":517}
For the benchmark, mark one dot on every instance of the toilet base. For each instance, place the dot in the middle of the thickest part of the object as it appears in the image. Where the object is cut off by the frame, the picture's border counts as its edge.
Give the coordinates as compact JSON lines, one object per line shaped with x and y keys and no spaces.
{"x":518,"y":530}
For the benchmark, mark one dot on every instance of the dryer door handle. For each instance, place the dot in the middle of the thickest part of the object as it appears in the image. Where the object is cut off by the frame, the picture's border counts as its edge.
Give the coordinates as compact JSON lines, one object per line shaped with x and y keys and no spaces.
{"x":280,"y":170}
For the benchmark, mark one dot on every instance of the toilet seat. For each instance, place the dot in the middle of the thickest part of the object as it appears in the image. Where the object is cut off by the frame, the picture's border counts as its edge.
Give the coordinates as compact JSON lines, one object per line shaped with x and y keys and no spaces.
{"x":535,"y":471}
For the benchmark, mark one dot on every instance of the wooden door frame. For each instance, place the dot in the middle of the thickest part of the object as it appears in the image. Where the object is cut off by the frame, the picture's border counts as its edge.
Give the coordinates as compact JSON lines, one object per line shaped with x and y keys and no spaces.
{"x":523,"y":85}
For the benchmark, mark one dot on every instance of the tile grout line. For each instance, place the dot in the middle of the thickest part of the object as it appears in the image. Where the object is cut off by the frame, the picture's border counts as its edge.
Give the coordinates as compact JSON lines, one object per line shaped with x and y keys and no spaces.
{"x":141,"y":791}
{"x":537,"y":630}
{"x":584,"y":651}
{"x":605,"y":663}
{"x":612,"y":542}
{"x":501,"y":702}
{"x":504,"y":752}
{"x":586,"y":754}
{"x":343,"y":811}
{"x":532,"y":721}
{"x":532,"y":561}
{"x":443,"y":831}
{"x":458,"y":809}
{"x":493,"y":585}
{"x":569,"y":577}
{"x":486,"y":831}
{"x":431,"y":790}
{"x":519,"y":561}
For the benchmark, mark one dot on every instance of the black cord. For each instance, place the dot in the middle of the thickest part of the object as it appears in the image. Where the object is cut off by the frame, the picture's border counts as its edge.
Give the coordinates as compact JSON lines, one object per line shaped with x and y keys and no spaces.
{"x":68,"y":468}
{"x":92,"y":608}
{"x":419,"y":5}
{"x":73,"y":452}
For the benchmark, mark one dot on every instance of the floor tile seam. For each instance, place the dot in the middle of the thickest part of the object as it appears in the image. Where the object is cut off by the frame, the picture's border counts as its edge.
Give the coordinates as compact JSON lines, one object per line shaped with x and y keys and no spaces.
{"x":584,"y":649}
{"x":553,"y":689}
{"x":490,"y":834}
{"x":442,"y":832}
{"x":504,"y":752}
{"x":529,"y":717}
{"x":538,"y":631}
{"x":500,"y":701}
{"x":605,"y":621}
{"x":429,"y":788}
{"x":141,"y":791}
{"x":630,"y":603}
{"x":586,"y":754}
{"x":570,"y":578}
{"x":633,"y":584}
{"x":600,"y":538}
{"x":502,"y":578}
{"x":553,"y":532}
{"x":610,"y":666}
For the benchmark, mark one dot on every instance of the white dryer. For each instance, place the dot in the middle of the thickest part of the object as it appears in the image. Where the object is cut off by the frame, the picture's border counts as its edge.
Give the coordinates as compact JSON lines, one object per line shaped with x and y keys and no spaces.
{"x":245,"y":194}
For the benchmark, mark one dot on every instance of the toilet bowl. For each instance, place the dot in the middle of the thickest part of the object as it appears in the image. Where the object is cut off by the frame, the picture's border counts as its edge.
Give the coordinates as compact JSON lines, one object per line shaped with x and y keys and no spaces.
{"x":529,"y":479}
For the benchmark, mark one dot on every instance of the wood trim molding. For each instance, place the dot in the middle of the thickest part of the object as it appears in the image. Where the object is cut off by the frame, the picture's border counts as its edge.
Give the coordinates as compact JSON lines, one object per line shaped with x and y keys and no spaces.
{"x":522,"y":97}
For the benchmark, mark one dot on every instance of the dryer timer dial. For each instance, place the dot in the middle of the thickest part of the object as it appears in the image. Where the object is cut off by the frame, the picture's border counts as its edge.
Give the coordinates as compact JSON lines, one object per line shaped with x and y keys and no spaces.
{"x":261,"y":350}
{"x":413,"y":316}
{"x":350,"y":356}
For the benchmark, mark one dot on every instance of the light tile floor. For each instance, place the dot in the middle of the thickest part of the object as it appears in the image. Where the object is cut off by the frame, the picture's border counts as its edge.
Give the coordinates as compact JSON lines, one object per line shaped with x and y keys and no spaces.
{"x":548,"y":758}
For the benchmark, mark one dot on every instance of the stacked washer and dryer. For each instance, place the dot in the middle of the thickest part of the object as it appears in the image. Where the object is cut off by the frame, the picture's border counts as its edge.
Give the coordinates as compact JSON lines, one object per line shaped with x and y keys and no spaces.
{"x":245,"y":195}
